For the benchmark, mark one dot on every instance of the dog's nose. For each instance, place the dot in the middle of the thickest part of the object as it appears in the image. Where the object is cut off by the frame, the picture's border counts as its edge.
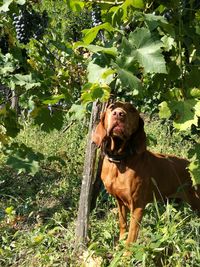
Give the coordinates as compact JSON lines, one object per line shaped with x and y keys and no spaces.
{"x":119,"y":114}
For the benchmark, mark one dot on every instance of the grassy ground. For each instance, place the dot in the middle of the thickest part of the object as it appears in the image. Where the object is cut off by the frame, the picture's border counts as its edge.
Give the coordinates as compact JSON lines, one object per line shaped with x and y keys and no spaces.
{"x":38,"y":213}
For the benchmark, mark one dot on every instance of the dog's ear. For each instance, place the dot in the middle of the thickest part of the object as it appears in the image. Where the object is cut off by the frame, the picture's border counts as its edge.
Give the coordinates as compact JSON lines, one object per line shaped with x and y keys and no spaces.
{"x":100,"y":132}
{"x":139,"y":138}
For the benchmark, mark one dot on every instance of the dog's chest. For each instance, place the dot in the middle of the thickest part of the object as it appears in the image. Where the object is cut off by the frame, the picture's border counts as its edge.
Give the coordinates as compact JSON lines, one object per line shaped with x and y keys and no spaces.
{"x":118,"y":182}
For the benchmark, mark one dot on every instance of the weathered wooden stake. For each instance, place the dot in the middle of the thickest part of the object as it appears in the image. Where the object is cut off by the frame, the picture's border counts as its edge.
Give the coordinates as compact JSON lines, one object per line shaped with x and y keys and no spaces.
{"x":87,"y":182}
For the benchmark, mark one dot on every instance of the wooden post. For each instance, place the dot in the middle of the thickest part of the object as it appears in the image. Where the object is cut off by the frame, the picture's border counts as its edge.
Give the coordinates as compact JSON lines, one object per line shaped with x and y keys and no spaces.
{"x":87,"y":182}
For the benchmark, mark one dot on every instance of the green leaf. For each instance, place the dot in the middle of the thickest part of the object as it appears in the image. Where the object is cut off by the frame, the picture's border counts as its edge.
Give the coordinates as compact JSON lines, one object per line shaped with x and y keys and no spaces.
{"x":116,"y":259}
{"x":96,"y":48}
{"x":197,"y":108}
{"x":99,"y":74}
{"x":168,"y":42}
{"x":5,"y":6}
{"x":147,"y":51}
{"x":54,"y":99}
{"x":194,"y":166}
{"x":26,"y":80}
{"x":23,"y":158}
{"x":20,"y":2}
{"x":36,"y":240}
{"x":164,"y":110}
{"x":128,"y":79}
{"x":9,"y":120}
{"x":185,"y":114}
{"x":9,"y":210}
{"x":191,"y":241}
{"x":120,"y":13}
{"x":194,"y":169}
{"x":92,"y":92}
{"x":192,"y":78}
{"x":194,"y":92}
{"x":48,"y":119}
{"x":7,"y":64}
{"x":137,"y":3}
{"x":91,"y":34}
{"x":77,"y":112}
{"x":153,"y":21}
{"x":75,"y":5}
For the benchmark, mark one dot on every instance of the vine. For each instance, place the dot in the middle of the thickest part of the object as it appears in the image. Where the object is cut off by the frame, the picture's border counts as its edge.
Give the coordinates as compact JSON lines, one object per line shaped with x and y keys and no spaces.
{"x":145,"y":52}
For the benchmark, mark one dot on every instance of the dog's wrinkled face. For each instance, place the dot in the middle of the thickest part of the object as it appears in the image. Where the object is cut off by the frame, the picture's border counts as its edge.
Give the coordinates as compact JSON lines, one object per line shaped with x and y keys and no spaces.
{"x":118,"y":124}
{"x":121,"y":120}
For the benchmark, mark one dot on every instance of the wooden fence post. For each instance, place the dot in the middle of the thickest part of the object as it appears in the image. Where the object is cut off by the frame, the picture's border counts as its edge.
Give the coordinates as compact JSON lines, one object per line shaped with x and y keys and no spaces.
{"x":87,"y":182}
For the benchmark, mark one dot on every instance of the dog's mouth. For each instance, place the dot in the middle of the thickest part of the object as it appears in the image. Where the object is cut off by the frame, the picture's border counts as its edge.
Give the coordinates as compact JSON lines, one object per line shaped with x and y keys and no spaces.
{"x":115,"y":144}
{"x":118,"y":130}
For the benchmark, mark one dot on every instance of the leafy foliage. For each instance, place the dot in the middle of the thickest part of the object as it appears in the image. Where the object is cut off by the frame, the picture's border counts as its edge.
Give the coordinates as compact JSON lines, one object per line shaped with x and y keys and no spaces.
{"x":142,"y":47}
{"x":145,"y":52}
{"x":23,"y":158}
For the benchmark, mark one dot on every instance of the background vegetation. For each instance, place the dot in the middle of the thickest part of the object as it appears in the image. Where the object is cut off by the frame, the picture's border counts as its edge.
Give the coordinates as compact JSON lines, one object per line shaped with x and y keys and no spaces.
{"x":56,"y":58}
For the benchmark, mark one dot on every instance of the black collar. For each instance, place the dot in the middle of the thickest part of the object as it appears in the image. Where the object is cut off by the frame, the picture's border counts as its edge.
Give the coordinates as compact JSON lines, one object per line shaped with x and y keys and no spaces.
{"x":119,"y":158}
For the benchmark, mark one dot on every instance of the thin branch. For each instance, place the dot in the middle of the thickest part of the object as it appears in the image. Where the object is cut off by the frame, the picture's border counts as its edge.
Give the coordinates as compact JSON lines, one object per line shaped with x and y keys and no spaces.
{"x":68,"y":126}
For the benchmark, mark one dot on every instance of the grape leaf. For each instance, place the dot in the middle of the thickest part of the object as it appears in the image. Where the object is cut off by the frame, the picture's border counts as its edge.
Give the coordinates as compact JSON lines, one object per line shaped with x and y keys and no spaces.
{"x":10,"y":121}
{"x":164,"y":110}
{"x":54,"y":99}
{"x":194,"y":166}
{"x":194,"y":169}
{"x":194,"y":92}
{"x":153,"y":21}
{"x":120,"y":13}
{"x":147,"y":51}
{"x":137,"y":3}
{"x":48,"y":119}
{"x":128,"y":79}
{"x":26,"y":81}
{"x":93,"y":91}
{"x":168,"y":42}
{"x":23,"y":158}
{"x":97,"y":73}
{"x":91,"y":34}
{"x":185,"y":115}
{"x":5,"y":6}
{"x":197,"y":108}
{"x":21,"y":2}
{"x":77,"y":112}
{"x":143,"y":48}
{"x":75,"y":5}
{"x":186,"y":112}
{"x":23,"y":165}
{"x":96,"y":48}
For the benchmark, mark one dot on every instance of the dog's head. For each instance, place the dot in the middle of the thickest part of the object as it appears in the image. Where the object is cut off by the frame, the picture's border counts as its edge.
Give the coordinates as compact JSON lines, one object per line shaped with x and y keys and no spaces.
{"x":121,"y":124}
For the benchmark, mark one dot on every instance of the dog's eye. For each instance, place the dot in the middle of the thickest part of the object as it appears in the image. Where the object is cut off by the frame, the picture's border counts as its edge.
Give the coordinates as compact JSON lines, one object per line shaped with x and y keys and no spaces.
{"x":111,"y":106}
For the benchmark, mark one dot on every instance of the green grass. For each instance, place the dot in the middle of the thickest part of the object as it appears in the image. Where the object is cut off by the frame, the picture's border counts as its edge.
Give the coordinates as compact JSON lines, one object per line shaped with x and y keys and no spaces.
{"x":38,"y":212}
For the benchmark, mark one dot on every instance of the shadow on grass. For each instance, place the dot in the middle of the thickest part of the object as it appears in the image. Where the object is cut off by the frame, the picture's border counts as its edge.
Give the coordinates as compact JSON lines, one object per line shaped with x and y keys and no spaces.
{"x":38,"y":198}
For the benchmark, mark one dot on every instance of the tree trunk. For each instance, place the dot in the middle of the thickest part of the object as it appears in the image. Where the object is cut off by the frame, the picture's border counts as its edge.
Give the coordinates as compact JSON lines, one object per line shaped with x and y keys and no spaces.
{"x":87,"y":182}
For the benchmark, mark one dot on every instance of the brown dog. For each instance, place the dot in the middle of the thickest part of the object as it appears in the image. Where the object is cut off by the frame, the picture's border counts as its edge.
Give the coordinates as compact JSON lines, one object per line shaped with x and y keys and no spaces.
{"x":131,"y":173}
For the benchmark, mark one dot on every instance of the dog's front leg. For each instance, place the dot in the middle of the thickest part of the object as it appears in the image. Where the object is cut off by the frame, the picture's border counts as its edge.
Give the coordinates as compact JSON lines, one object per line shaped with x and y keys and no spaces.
{"x":135,"y":220}
{"x":122,"y":219}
